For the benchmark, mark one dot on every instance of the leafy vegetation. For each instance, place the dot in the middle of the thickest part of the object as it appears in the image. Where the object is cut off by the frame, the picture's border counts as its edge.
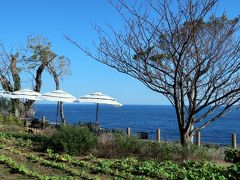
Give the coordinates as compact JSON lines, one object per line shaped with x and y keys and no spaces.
{"x":131,"y":167}
{"x":10,"y":120}
{"x":19,"y":168}
{"x":125,"y":166}
{"x":72,"y":140}
{"x":232,"y":155}
{"x":119,"y":145}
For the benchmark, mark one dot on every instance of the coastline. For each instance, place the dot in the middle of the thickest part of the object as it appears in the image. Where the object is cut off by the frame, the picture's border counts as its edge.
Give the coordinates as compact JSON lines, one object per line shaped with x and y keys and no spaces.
{"x":142,"y":118}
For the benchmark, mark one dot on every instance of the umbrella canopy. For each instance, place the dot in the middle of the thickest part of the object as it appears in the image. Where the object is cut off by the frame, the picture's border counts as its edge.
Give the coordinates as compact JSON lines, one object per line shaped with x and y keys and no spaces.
{"x":3,"y":93}
{"x":59,"y":96}
{"x":99,"y":98}
{"x":26,"y":94}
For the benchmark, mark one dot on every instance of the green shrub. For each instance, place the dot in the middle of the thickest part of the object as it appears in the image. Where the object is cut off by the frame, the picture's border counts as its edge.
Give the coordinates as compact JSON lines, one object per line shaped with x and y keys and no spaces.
{"x":72,"y":140}
{"x":123,"y":146}
{"x":117,"y":145}
{"x":163,"y":151}
{"x":232,"y":155}
{"x":168,"y":151}
{"x":126,"y":145}
{"x":194,"y":152}
{"x":28,"y":136}
{"x":233,"y":171}
{"x":1,"y":119}
{"x":11,"y":120}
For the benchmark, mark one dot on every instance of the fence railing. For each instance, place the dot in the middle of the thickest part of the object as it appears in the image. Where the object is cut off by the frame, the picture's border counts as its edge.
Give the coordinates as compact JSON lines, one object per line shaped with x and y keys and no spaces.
{"x":197,"y":136}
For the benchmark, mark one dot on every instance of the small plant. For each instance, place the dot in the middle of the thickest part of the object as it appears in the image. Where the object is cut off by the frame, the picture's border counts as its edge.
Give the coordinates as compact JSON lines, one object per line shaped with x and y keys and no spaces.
{"x":232,"y":155}
{"x":59,"y":165}
{"x":127,"y":145}
{"x":233,"y":172}
{"x":24,"y":143}
{"x":18,"y":168}
{"x":72,"y":140}
{"x":11,"y":120}
{"x":26,"y":136}
{"x":205,"y":169}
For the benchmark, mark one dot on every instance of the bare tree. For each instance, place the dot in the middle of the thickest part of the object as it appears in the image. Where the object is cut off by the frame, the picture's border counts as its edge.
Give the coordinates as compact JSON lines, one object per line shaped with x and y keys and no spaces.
{"x":181,"y":50}
{"x":9,"y":77}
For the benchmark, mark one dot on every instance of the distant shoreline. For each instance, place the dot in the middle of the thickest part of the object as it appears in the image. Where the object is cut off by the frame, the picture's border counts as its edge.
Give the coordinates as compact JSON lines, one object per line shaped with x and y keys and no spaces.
{"x":52,"y":103}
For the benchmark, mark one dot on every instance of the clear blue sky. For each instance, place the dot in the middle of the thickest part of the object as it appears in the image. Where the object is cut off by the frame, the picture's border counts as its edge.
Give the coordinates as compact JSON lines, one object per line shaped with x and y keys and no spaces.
{"x":52,"y":18}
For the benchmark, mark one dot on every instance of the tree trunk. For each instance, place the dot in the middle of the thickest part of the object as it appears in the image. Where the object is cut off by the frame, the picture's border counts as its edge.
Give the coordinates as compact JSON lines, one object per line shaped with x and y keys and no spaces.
{"x":186,"y":136}
{"x":18,"y":112}
{"x":38,"y":78}
{"x":15,"y":75}
{"x":62,"y":114}
{"x":55,"y":77}
{"x":185,"y":139}
{"x":192,"y":135}
{"x":7,"y":86}
{"x":38,"y":84}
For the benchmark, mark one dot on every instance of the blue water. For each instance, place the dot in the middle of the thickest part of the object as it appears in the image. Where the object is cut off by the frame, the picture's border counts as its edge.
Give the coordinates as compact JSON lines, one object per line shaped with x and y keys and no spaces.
{"x":146,"y":118}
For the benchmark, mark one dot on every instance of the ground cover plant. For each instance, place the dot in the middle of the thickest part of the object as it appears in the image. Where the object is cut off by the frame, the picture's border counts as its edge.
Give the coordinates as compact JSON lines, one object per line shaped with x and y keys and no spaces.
{"x":232,"y":155}
{"x":20,"y":157}
{"x":10,"y":120}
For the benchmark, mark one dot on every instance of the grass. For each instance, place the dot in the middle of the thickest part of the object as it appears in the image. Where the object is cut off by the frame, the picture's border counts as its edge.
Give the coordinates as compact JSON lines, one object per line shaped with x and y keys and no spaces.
{"x":121,"y":146}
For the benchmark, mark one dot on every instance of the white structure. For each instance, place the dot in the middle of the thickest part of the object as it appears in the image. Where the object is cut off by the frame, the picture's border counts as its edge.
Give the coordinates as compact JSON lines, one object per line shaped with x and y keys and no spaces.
{"x":99,"y":98}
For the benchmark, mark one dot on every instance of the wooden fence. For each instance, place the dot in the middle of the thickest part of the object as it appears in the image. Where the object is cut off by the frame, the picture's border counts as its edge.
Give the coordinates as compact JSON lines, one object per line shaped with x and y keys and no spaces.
{"x":142,"y":135}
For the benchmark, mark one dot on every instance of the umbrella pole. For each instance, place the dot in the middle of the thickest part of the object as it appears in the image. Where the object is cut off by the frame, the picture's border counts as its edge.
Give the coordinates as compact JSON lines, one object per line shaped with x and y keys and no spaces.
{"x":26,"y":115}
{"x":57,"y":113}
{"x":97,"y":114}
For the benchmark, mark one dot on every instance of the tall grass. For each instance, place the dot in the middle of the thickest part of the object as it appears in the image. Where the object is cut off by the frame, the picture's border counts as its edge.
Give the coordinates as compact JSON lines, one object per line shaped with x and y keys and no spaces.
{"x":116,"y":145}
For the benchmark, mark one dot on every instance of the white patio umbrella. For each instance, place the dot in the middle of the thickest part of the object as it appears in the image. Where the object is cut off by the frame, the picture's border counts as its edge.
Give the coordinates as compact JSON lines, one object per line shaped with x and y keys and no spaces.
{"x":26,"y":94}
{"x":2,"y":93}
{"x":58,"y":96}
{"x":99,"y":98}
{"x":23,"y":94}
{"x":5,"y":94}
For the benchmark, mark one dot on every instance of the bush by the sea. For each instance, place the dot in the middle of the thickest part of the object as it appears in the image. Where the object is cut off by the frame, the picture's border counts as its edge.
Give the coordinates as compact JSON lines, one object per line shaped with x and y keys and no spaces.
{"x":11,"y":120}
{"x":73,"y":140}
{"x":118,"y":145}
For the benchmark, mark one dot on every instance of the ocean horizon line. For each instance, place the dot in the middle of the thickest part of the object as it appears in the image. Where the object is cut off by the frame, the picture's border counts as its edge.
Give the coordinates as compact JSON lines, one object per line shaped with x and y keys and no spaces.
{"x":82,"y":104}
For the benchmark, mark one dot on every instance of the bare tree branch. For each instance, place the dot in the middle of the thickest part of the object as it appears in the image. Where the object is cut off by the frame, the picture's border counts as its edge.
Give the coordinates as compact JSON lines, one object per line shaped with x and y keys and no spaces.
{"x":180,"y":50}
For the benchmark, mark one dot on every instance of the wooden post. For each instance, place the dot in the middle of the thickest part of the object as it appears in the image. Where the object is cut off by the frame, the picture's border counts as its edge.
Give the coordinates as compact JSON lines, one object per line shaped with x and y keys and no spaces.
{"x":158,"y":135}
{"x":198,"y":139}
{"x":234,"y":141}
{"x":128,"y":131}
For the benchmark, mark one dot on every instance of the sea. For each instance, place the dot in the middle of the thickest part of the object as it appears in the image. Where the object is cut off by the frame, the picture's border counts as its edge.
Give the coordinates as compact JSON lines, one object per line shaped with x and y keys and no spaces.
{"x":143,"y":118}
